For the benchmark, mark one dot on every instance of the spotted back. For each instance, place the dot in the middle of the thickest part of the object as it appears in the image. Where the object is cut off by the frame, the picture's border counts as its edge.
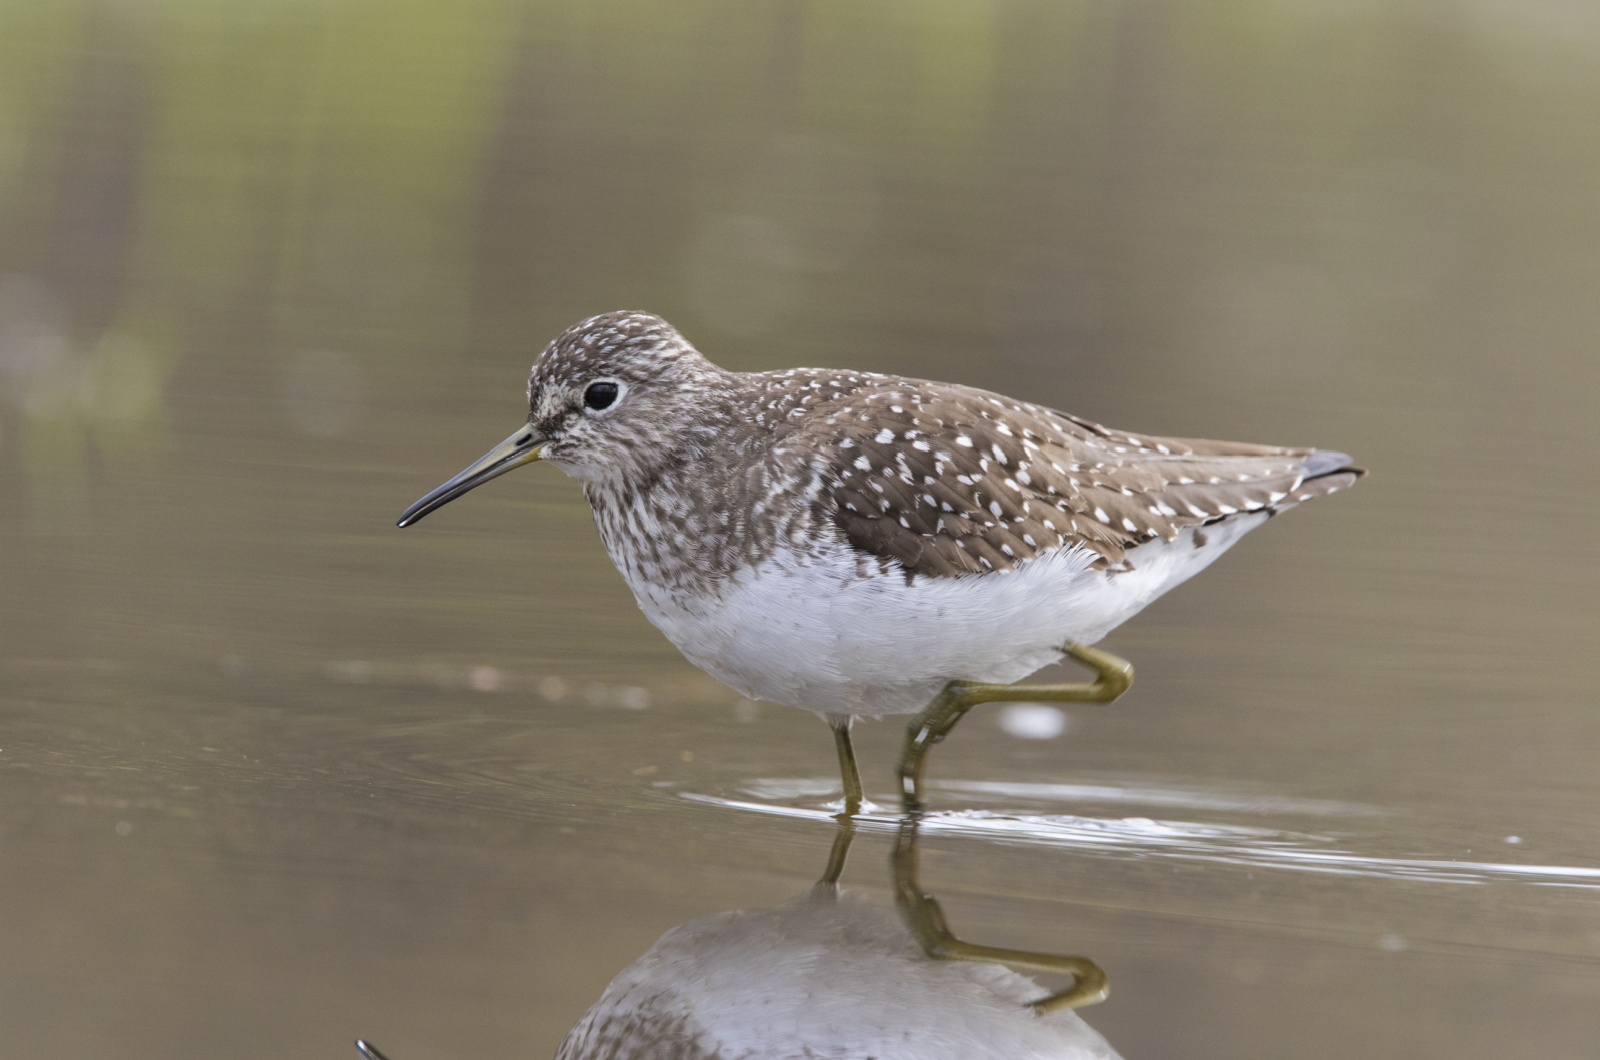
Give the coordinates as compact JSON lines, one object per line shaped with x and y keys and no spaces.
{"x":948,"y":480}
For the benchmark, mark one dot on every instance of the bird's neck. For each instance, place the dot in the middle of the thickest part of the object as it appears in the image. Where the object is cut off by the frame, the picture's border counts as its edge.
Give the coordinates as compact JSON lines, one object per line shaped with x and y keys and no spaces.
{"x":695,"y":516}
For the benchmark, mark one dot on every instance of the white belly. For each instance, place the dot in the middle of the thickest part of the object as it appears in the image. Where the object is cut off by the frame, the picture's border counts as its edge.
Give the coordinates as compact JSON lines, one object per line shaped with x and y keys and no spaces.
{"x":817,"y":635}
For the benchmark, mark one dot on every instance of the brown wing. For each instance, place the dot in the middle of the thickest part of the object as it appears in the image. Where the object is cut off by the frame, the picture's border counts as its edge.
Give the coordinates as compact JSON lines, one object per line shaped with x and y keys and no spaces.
{"x":947,"y":480}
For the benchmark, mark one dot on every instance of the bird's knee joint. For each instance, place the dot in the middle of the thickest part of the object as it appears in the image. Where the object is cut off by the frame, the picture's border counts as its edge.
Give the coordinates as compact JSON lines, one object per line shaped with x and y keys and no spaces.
{"x":1117,"y":679}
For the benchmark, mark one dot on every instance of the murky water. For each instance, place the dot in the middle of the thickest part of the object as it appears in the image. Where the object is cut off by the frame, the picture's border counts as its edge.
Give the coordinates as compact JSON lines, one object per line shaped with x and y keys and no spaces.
{"x":274,"y":775}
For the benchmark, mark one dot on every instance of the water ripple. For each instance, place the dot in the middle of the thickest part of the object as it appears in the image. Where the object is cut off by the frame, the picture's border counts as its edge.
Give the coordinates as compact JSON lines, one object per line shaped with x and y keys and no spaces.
{"x":1249,"y":846}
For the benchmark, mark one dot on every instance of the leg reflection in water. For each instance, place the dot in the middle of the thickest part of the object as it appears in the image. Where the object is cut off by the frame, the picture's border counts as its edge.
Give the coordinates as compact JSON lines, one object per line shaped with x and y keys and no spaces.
{"x":925,"y":919}
{"x":832,"y":974}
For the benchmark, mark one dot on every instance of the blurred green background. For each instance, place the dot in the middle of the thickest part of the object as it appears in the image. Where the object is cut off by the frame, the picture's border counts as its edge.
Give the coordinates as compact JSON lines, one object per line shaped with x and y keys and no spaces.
{"x":275,"y":775}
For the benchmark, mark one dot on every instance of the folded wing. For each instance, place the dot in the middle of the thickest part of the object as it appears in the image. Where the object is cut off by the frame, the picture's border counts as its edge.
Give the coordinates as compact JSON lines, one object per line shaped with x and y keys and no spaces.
{"x":946,"y":480}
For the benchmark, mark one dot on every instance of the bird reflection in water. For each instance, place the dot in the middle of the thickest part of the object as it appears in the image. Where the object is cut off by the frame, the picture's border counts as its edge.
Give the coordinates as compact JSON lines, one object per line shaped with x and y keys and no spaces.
{"x":833,"y":975}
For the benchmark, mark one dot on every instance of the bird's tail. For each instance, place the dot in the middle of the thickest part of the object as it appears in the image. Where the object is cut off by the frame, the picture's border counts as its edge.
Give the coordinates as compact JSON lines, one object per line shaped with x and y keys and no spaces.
{"x":1325,"y":472}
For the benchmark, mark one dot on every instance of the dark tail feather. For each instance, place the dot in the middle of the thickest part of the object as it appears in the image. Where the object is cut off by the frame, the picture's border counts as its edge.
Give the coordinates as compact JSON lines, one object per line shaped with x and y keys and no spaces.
{"x":1327,"y":462}
{"x":1325,"y":472}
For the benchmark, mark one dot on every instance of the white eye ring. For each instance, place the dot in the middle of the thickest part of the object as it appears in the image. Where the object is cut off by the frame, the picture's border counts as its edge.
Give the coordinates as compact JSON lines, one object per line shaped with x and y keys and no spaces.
{"x":610,"y":392}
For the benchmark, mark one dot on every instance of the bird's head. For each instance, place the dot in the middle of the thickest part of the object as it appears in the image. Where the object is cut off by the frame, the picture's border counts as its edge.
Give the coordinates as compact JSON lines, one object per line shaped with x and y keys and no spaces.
{"x":611,"y":398}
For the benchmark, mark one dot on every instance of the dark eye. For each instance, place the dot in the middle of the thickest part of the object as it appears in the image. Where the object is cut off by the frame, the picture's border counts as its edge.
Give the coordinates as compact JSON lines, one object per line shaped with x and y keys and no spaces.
{"x":600,"y":395}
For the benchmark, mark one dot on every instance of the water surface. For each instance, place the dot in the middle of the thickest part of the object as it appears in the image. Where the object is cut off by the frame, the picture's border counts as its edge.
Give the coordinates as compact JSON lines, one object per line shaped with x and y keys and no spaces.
{"x":274,"y":775}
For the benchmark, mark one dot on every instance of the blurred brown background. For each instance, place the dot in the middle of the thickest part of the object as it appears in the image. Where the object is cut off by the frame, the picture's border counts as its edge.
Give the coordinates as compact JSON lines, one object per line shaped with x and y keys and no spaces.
{"x":273,"y":774}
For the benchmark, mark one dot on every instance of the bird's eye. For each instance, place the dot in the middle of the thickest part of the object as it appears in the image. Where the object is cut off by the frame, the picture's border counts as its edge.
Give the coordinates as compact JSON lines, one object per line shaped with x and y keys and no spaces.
{"x":600,"y":395}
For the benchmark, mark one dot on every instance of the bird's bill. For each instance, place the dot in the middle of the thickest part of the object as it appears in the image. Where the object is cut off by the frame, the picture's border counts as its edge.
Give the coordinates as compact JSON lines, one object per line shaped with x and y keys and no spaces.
{"x":521,"y":448}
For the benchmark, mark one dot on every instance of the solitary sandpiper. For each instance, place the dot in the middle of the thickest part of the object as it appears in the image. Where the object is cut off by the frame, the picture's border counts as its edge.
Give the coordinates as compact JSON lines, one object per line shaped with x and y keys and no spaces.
{"x":862,"y":545}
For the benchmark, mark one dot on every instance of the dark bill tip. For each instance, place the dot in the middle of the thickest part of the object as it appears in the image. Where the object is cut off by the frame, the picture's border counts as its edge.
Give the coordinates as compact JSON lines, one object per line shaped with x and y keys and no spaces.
{"x":521,"y":448}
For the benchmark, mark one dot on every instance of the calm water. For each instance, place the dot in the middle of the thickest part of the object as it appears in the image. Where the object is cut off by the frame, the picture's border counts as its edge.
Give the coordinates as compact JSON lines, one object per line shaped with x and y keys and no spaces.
{"x":274,"y":775}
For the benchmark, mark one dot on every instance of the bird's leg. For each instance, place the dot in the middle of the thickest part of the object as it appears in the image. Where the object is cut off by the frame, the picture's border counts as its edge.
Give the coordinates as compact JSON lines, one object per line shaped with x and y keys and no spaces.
{"x":849,"y":775}
{"x":924,"y":918}
{"x":1112,"y":678}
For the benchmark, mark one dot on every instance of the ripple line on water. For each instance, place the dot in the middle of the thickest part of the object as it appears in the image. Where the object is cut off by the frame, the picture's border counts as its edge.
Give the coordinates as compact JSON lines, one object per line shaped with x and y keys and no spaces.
{"x":1246,"y":846}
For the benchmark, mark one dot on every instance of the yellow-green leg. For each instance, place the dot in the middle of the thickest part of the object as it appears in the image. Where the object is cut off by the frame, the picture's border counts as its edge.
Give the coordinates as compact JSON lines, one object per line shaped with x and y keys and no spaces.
{"x":842,"y":837}
{"x":849,"y":775}
{"x":1112,"y":678}
{"x":926,"y":921}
